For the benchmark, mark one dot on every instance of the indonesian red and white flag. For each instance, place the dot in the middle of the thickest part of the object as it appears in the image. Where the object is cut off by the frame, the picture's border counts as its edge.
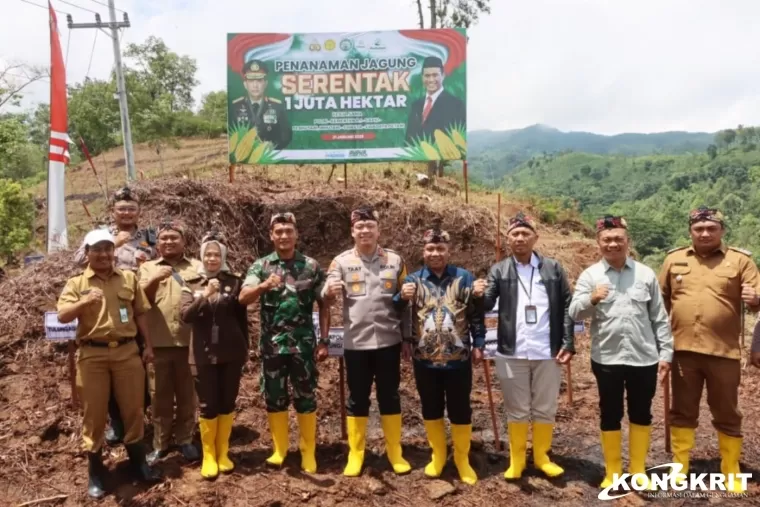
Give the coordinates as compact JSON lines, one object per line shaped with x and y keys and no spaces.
{"x":59,"y":143}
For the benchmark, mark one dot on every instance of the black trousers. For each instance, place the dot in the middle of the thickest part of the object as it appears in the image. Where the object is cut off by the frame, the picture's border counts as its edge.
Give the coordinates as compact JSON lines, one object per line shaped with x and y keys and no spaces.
{"x":381,"y":366}
{"x":444,"y":388}
{"x":217,"y":386}
{"x":639,"y":384}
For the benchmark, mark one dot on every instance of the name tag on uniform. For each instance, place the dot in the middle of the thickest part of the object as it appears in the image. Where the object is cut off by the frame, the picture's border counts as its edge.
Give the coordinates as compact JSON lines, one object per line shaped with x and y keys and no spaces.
{"x":270,"y":116}
{"x":531,"y":314}
{"x":124,"y":317}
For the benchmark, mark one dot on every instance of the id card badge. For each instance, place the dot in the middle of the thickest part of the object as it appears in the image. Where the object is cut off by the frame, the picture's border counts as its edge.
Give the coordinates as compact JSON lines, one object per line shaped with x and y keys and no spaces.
{"x":214,"y":334}
{"x":123,"y":316}
{"x":531,"y":314}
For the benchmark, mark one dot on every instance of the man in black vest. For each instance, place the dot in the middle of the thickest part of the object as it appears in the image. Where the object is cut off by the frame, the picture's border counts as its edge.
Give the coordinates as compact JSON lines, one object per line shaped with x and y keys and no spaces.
{"x":439,"y":109}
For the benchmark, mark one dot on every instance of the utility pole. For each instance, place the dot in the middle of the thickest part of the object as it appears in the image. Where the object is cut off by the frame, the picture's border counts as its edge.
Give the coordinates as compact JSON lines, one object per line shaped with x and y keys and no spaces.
{"x":121,"y":87}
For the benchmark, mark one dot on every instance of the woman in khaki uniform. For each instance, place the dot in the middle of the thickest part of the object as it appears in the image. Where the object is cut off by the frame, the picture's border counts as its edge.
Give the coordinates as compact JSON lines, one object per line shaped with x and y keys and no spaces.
{"x":218,"y":350}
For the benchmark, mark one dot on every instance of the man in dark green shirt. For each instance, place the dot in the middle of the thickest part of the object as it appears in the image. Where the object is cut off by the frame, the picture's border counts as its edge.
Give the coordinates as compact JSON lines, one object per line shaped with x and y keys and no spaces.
{"x":289,"y":283}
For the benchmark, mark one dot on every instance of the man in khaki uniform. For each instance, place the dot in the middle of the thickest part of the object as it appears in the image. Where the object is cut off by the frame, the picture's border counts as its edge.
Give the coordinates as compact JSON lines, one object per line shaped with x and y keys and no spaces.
{"x":367,"y":277}
{"x":110,"y":306}
{"x":170,"y":376}
{"x":133,"y":247}
{"x":703,"y":286}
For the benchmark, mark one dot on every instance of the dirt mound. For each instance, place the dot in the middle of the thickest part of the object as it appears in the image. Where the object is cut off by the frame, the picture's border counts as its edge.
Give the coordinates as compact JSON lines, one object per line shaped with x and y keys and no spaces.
{"x":40,"y":452}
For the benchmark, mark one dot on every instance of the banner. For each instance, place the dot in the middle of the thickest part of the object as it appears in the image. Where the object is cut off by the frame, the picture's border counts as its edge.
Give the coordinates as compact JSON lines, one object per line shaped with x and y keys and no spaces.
{"x":57,"y":233}
{"x":347,"y":97}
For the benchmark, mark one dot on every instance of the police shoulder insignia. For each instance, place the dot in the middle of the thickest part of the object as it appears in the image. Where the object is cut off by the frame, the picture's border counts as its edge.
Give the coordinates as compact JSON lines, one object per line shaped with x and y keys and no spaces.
{"x":741,"y":250}
{"x":677,"y":249}
{"x":276,"y":101}
{"x":238,"y":100}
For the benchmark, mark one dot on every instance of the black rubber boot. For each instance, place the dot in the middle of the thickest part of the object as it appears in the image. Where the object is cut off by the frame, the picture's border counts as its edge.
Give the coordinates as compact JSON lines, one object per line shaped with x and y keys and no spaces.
{"x":115,"y":433}
{"x":96,"y":471}
{"x":138,"y":464}
{"x":190,"y":452}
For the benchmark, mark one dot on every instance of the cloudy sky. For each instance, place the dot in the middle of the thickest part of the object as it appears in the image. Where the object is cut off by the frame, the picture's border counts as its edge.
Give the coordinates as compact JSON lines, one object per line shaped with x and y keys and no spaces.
{"x":605,"y":66}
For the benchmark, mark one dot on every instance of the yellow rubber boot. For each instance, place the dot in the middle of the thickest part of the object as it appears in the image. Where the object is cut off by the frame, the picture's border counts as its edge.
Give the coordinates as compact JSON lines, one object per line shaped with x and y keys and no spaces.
{"x":681,"y":443}
{"x":613,"y":459}
{"x":278,"y":425}
{"x":356,"y":427}
{"x":518,"y":444}
{"x":208,"y":427}
{"x":461,"y":435}
{"x":307,"y":442}
{"x":730,"y":450}
{"x":638,"y":448}
{"x":542,"y":442}
{"x":223,"y":443}
{"x":436,"y":434}
{"x":392,"y":432}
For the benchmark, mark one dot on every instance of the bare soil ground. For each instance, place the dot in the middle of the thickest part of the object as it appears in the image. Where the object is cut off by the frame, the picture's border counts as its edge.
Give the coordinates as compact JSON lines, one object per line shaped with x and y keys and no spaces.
{"x":40,"y":442}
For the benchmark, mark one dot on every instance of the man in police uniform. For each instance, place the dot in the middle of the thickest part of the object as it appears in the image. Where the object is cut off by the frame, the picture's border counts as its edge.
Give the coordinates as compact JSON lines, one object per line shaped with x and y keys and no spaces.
{"x":133,"y":247}
{"x":367,"y":278}
{"x":266,"y":114}
{"x":110,"y":307}
{"x":170,"y":377}
{"x":704,"y":286}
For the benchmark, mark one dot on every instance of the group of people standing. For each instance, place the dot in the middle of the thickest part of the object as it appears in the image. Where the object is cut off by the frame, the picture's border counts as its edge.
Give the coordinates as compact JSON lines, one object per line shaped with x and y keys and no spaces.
{"x":142,"y":296}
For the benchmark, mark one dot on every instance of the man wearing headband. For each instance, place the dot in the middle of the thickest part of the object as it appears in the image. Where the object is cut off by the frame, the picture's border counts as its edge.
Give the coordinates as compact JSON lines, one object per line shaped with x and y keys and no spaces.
{"x":631,"y":344}
{"x":366,"y":278}
{"x":448,"y":337}
{"x":704,"y":286}
{"x":133,"y":247}
{"x":288,"y":284}
{"x":171,"y":379}
{"x":535,"y":336}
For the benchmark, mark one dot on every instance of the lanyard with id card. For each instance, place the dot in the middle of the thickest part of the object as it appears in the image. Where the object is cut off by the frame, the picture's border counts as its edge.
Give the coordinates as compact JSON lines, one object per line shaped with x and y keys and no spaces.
{"x":123,"y":315}
{"x":531,"y":312}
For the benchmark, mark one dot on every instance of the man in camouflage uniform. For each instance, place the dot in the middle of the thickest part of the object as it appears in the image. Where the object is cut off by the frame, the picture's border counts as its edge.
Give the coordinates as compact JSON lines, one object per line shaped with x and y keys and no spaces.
{"x":133,"y":247}
{"x":288,"y":284}
{"x":266,"y":114}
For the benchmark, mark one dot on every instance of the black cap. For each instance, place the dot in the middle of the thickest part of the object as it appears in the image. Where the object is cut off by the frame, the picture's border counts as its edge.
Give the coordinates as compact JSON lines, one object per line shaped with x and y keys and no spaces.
{"x":255,"y":69}
{"x":432,"y":61}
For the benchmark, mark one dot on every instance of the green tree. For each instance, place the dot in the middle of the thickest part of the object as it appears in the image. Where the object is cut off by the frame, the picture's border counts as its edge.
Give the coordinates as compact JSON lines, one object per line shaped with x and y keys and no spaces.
{"x":19,"y":159}
{"x":161,"y":72}
{"x":712,"y":151}
{"x":16,"y":219}
{"x":94,"y":115}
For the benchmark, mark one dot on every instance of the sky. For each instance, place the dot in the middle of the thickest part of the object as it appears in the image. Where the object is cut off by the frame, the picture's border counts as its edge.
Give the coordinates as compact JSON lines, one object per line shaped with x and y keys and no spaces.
{"x":603,"y":66}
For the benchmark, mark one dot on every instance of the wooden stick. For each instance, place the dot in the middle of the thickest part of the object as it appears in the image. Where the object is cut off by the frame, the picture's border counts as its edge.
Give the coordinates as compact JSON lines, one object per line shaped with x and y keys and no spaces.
{"x":666,"y":402}
{"x":497,"y":440}
{"x":331,"y":173}
{"x":498,"y":227}
{"x":232,"y":173}
{"x":466,"y":189}
{"x":345,"y":175}
{"x":341,"y":371}
{"x":41,"y":500}
{"x":569,"y":384}
{"x":72,"y":373}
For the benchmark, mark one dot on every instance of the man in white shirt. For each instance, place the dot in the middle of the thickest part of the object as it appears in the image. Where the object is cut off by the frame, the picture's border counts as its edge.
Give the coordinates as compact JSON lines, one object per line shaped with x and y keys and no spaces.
{"x":535,"y":337}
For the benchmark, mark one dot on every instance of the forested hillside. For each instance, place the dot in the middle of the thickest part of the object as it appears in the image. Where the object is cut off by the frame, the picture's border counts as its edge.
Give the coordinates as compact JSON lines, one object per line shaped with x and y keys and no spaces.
{"x":656,"y":192}
{"x":493,"y":154}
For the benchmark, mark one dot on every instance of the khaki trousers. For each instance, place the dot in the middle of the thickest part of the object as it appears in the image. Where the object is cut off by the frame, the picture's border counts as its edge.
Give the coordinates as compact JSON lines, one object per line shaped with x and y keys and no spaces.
{"x":530,"y":388}
{"x":171,"y":381}
{"x":690,"y":373}
{"x":101,"y":370}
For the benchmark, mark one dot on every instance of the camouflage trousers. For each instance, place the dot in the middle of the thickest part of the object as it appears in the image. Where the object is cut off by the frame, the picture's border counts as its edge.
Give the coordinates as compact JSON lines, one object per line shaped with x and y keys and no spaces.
{"x":297,"y":369}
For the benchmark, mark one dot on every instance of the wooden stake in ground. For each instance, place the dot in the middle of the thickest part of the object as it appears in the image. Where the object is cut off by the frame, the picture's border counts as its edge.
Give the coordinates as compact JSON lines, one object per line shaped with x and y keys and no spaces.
{"x":232,"y":173}
{"x":569,"y":384}
{"x":345,"y":176}
{"x":666,"y":402}
{"x":71,"y":349}
{"x":486,"y":367}
{"x":342,"y":373}
{"x":466,"y":189}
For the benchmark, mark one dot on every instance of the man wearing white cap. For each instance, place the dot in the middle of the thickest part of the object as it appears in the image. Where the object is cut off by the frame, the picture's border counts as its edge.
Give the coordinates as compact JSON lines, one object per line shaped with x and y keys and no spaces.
{"x":110,"y":306}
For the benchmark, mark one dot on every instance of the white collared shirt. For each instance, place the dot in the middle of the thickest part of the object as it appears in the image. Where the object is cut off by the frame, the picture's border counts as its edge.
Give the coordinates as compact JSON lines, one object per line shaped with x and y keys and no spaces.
{"x":434,"y":97}
{"x":532,"y":341}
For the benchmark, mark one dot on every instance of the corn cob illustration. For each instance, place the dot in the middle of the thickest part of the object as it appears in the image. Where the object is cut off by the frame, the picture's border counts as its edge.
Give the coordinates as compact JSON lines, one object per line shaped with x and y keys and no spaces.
{"x":257,"y":153}
{"x":245,"y":146}
{"x":459,"y":140}
{"x":234,"y":141}
{"x":429,"y":152}
{"x":445,"y":145}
